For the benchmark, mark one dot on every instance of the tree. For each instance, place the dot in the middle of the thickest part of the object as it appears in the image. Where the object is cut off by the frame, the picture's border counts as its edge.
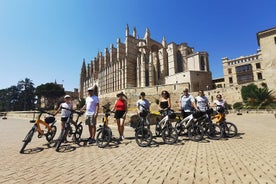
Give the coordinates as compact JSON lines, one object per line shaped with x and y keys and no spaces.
{"x":27,"y":94}
{"x":50,"y":92}
{"x":257,"y":97}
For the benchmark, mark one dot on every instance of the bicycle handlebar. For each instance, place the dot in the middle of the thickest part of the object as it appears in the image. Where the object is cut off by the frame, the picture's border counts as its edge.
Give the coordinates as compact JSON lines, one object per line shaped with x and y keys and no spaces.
{"x":74,"y":111}
{"x":43,"y":111}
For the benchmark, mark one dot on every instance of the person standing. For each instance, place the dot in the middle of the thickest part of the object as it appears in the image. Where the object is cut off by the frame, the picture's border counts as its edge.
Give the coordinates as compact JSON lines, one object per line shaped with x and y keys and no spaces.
{"x":143,"y":106}
{"x":202,"y":101}
{"x":219,"y":102}
{"x":186,"y":103}
{"x":165,"y":100}
{"x":65,"y":108}
{"x":120,"y":109}
{"x":92,"y":108}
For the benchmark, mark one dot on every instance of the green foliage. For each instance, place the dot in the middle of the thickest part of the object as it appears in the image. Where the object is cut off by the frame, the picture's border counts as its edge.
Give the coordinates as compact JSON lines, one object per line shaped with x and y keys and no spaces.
{"x":81,"y":103}
{"x":18,"y":98}
{"x":255,"y":97}
{"x":238,"y":105}
{"x":51,"y":92}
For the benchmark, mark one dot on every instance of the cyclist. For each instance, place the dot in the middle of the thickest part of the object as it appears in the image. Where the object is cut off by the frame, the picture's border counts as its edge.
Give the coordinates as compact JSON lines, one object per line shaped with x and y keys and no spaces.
{"x":143,"y":106}
{"x":165,"y":101}
{"x":92,"y":109}
{"x":65,"y":114}
{"x":220,"y":102}
{"x":202,"y":101}
{"x":186,"y":103}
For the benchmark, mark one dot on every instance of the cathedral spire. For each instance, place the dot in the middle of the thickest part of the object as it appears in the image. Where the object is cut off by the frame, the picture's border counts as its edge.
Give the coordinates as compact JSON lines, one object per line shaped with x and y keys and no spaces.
{"x":134,"y":32}
{"x":127,"y":30}
{"x":164,"y":43}
{"x":147,"y":34}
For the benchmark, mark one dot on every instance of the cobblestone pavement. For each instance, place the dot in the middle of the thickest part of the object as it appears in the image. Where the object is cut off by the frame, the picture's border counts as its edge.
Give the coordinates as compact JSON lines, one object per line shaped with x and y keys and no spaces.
{"x":248,"y":158}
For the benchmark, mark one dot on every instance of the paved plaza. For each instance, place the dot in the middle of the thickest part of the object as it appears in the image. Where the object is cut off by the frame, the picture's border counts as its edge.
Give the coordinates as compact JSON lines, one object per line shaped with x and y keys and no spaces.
{"x":248,"y":158}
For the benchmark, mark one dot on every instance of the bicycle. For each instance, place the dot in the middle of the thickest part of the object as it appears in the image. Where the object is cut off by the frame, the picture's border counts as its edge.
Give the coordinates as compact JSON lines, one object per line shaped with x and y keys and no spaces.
{"x":143,"y":134}
{"x":189,"y":124}
{"x":213,"y":131}
{"x":49,"y":131}
{"x":71,"y":128}
{"x":229,"y":129}
{"x":104,"y":135}
{"x":164,"y":127}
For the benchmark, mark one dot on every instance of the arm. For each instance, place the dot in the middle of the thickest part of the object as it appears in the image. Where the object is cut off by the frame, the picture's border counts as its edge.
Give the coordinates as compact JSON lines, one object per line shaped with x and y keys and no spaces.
{"x":169,"y":103}
{"x":113,"y":109}
{"x":59,"y":108}
{"x":97,"y":110}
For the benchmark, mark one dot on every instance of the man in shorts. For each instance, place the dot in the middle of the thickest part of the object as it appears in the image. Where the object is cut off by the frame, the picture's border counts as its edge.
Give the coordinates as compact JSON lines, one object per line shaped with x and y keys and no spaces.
{"x":92,"y":109}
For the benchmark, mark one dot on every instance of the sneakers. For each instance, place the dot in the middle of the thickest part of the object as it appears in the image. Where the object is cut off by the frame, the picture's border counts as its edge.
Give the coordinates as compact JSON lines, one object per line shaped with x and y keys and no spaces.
{"x":91,"y":141}
{"x":121,"y":138}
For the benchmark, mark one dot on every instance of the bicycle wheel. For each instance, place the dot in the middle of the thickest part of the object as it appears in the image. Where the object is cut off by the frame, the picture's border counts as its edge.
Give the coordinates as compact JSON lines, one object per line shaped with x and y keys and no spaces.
{"x":214,"y":132}
{"x":51,"y":134}
{"x":158,"y":129}
{"x":143,"y":136}
{"x":77,"y":134}
{"x":61,"y":138}
{"x":230,"y":129}
{"x":195,"y":133}
{"x":27,"y":139}
{"x":103,"y":137}
{"x":179,"y":128}
{"x":169,"y":134}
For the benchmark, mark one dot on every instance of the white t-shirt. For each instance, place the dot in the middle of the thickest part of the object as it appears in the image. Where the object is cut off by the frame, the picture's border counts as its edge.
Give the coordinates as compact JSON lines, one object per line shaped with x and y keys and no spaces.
{"x":141,"y":104}
{"x":91,"y":103}
{"x":64,"y":112}
{"x":202,"y":103}
{"x":186,"y":102}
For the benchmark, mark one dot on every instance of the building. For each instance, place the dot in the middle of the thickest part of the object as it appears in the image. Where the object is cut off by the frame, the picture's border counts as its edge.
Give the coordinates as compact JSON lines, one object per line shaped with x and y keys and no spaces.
{"x":267,"y":43}
{"x":145,"y":62}
{"x":257,"y":68}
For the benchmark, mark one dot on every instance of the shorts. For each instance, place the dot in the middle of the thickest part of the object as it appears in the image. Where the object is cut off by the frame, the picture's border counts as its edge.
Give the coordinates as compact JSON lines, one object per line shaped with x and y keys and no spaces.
{"x":64,"y":119}
{"x":119,"y":114}
{"x":90,"y":120}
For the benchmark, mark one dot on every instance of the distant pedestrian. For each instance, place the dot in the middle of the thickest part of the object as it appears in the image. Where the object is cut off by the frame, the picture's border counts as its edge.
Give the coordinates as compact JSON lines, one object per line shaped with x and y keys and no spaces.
{"x":120,"y":109}
{"x":92,"y":109}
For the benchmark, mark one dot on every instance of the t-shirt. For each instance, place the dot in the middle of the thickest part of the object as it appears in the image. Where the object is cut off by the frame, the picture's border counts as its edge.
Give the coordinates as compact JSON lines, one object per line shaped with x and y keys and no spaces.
{"x":91,"y":103}
{"x":120,"y":105}
{"x":142,"y":104}
{"x":221,"y":103}
{"x":202,"y":103}
{"x":64,"y":112}
{"x":186,"y":102}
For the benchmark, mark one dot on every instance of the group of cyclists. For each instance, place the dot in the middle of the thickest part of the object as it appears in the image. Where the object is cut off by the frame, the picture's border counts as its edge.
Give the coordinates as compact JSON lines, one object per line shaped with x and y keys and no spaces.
{"x":187,"y":104}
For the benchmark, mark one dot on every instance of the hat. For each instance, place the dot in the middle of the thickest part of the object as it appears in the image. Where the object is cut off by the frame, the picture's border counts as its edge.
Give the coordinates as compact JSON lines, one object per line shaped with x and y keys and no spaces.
{"x":90,"y":89}
{"x":121,"y":94}
{"x":67,"y":96}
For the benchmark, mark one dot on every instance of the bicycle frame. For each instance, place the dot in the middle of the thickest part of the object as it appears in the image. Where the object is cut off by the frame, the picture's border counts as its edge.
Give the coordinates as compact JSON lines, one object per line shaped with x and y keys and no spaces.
{"x":187,"y":121}
{"x":38,"y":122}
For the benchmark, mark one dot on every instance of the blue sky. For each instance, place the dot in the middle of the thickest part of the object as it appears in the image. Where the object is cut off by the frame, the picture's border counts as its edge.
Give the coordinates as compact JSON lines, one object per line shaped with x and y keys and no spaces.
{"x":46,"y":41}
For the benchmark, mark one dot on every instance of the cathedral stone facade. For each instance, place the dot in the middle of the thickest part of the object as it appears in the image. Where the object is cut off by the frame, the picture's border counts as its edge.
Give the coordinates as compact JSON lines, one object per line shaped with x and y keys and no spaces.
{"x":145,"y":63}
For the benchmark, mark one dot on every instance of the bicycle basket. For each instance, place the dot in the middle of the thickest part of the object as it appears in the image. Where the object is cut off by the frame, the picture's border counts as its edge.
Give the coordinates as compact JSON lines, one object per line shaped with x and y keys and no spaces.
{"x":50,"y":119}
{"x":143,"y":113}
